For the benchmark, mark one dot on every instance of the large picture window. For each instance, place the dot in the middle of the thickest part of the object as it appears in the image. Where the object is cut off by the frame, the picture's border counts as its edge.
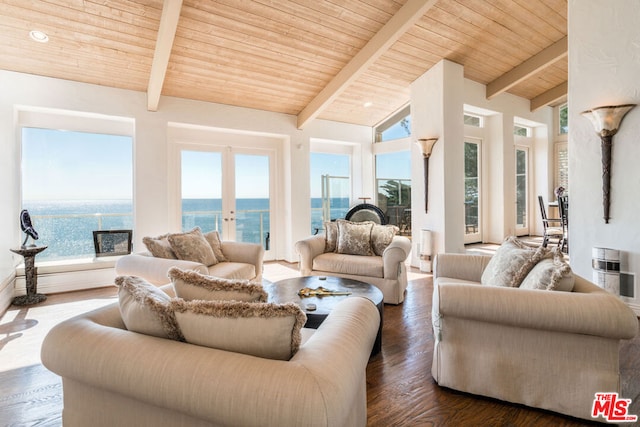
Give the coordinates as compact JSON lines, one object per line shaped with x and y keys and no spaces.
{"x":330,"y":179}
{"x":74,"y":183}
{"x":393,"y":183}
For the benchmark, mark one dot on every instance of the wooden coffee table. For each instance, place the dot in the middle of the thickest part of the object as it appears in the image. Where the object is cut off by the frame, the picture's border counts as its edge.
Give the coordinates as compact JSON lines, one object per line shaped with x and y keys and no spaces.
{"x":287,"y":291}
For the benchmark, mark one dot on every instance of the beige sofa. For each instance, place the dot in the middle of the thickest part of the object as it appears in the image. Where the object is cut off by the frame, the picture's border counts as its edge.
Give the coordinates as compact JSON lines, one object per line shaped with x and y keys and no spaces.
{"x":547,"y":349}
{"x":244,"y":262}
{"x":113,"y":377}
{"x":387,"y":272}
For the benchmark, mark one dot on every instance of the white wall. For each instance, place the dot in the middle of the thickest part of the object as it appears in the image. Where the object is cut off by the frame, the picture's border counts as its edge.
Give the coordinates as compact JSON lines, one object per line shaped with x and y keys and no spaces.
{"x":604,"y":65}
{"x":151,"y":189}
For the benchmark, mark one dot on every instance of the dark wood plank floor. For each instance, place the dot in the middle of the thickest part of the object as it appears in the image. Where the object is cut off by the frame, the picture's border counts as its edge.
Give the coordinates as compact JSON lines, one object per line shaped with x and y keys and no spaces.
{"x":401,"y":391}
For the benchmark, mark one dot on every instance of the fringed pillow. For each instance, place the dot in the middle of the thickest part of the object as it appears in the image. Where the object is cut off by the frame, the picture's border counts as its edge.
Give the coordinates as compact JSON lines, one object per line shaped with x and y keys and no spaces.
{"x":552,"y":274}
{"x":267,"y":330}
{"x":213,"y":238}
{"x":191,"y":285}
{"x":159,"y":246}
{"x":330,"y":236}
{"x":192,"y":246}
{"x":354,"y":238}
{"x":512,"y":262}
{"x":381,"y":237}
{"x":146,"y":309}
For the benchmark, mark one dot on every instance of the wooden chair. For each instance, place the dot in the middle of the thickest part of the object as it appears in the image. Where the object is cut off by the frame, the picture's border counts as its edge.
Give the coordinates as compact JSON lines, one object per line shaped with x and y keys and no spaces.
{"x":550,"y":232}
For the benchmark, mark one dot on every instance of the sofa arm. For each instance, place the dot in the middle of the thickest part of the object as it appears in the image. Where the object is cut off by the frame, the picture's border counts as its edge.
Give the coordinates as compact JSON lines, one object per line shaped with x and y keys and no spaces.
{"x":248,"y":253}
{"x":394,"y":255}
{"x":597,"y":314}
{"x":308,"y":249}
{"x":460,"y":266}
{"x":317,"y":387}
{"x":152,"y":269}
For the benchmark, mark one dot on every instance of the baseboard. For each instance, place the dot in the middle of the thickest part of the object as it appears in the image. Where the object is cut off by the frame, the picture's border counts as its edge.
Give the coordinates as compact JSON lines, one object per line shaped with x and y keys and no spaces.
{"x":6,"y":293}
{"x":52,"y":283}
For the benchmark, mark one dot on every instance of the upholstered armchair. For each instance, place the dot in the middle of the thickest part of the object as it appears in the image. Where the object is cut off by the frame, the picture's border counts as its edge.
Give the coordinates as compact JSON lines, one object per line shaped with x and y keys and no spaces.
{"x":386,"y":271}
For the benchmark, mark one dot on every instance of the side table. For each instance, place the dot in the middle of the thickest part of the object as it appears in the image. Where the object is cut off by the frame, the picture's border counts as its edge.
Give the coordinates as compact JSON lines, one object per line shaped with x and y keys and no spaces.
{"x":31,"y":275}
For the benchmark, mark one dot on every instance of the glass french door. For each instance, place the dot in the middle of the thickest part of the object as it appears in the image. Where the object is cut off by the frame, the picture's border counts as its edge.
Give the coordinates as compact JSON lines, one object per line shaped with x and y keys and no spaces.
{"x":522,"y":191}
{"x":228,"y":190}
{"x":472,"y":187}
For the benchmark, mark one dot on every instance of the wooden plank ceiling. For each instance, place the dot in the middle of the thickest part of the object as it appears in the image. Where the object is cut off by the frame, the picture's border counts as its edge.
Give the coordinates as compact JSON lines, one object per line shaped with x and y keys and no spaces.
{"x":310,"y":58}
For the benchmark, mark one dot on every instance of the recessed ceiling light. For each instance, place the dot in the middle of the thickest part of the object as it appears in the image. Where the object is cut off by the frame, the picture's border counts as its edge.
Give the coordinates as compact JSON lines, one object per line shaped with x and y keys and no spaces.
{"x":39,"y":36}
{"x":368,"y":104}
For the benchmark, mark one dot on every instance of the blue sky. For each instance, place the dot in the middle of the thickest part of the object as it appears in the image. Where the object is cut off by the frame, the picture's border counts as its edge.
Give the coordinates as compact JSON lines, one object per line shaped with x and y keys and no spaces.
{"x":75,"y":165}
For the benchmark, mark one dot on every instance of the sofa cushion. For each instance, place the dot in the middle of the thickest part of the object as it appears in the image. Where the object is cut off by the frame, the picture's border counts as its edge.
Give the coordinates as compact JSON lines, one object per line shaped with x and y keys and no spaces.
{"x":260,"y":329}
{"x":330,"y":236}
{"x":213,"y":238}
{"x":146,"y":309}
{"x":159,"y":246}
{"x":191,"y":285}
{"x":552,"y":274}
{"x":511,"y":263}
{"x":371,"y":266}
{"x":192,"y":246}
{"x":381,"y":237}
{"x":233,"y":270}
{"x":354,"y":238}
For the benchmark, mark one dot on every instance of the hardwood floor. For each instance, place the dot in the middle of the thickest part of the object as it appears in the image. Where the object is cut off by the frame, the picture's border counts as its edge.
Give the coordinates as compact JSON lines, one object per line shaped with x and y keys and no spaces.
{"x":400,"y":389}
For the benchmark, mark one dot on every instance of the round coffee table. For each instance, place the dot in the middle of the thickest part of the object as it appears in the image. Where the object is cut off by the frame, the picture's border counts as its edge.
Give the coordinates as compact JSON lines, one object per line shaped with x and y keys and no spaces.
{"x":287,"y":291}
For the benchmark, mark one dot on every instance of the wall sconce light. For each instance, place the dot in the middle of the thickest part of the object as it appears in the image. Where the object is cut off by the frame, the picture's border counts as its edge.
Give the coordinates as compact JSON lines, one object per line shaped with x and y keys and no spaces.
{"x":606,"y":121}
{"x":426,"y":145}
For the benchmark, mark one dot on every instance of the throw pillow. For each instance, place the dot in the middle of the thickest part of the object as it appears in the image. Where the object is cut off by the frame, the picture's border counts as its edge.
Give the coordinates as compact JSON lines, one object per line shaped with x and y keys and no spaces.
{"x":192,"y":246}
{"x":146,"y":309}
{"x":260,"y":329}
{"x":159,"y":247}
{"x":511,"y":263}
{"x":331,"y":236}
{"x":191,"y":285}
{"x":552,"y":274}
{"x":216,"y":244}
{"x":382,"y":236}
{"x":354,"y":238}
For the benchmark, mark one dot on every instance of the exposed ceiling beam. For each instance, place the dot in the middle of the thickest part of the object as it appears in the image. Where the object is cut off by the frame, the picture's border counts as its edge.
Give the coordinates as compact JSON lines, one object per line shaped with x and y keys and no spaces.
{"x":537,"y":62}
{"x":549,"y":97}
{"x":399,"y":23}
{"x":164,"y":44}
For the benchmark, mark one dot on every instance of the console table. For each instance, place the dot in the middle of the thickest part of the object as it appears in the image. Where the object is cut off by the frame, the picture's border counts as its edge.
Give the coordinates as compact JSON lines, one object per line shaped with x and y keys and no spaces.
{"x":31,"y":275}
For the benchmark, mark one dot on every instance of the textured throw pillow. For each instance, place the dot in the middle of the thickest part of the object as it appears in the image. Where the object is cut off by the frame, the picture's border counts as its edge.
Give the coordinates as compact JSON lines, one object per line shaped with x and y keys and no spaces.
{"x":216,"y":244}
{"x":192,"y":246}
{"x":354,"y":238}
{"x":191,"y":285}
{"x":552,"y":274}
{"x":331,"y":236}
{"x":146,"y":309}
{"x":511,"y":263}
{"x":260,"y":329}
{"x":159,"y":247}
{"x":382,"y":236}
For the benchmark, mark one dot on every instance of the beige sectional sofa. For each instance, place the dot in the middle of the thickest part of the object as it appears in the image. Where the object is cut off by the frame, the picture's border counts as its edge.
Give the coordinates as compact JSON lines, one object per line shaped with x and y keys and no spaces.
{"x":541,"y":348}
{"x":114,"y":377}
{"x":243,"y":261}
{"x":387,"y":272}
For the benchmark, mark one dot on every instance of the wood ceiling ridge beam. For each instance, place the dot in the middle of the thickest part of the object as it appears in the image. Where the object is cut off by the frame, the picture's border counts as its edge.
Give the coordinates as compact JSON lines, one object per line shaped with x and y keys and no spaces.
{"x":549,"y":97}
{"x":399,"y":23}
{"x":539,"y":61}
{"x":164,"y":44}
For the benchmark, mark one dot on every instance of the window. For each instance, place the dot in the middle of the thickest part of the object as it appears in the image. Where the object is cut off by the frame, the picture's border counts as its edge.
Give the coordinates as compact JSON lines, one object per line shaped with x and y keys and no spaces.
{"x":472,"y":186}
{"x":330,"y":179}
{"x":393,"y":184}
{"x":562,"y":166}
{"x":74,"y":183}
{"x":521,"y":130}
{"x":563,"y":119}
{"x":473,"y":120}
{"x":395,"y":127}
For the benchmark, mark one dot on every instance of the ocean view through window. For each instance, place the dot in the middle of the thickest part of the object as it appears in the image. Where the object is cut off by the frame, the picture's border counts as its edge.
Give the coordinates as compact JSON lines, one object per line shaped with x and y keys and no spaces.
{"x":74,"y":183}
